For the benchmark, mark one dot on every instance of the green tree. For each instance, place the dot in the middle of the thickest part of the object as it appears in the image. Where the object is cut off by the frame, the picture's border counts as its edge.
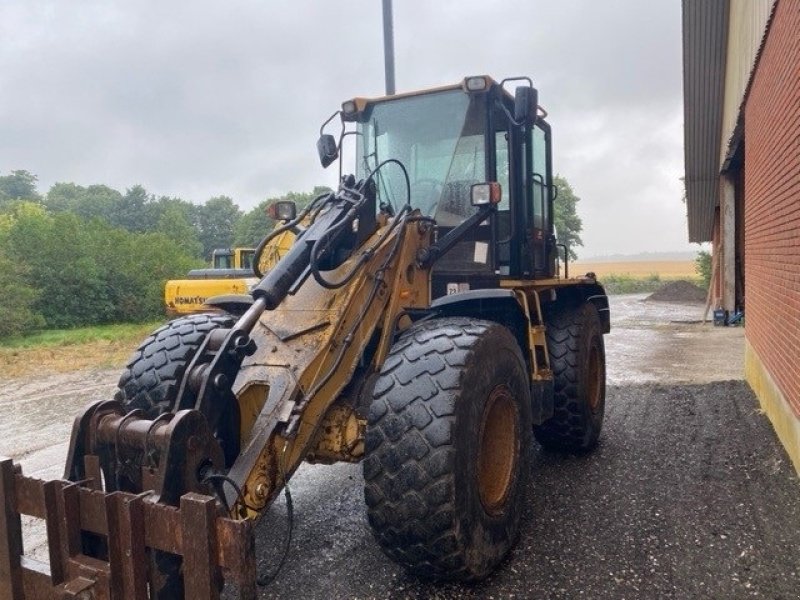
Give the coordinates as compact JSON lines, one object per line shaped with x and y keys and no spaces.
{"x":565,"y":216}
{"x":60,"y":263}
{"x":702,"y":265}
{"x":217,"y":219}
{"x":154,"y":259}
{"x":17,"y":296}
{"x":135,"y":269}
{"x":253,"y":225}
{"x":174,"y":223}
{"x":94,"y":201}
{"x":80,"y":272}
{"x":135,"y":211}
{"x":18,"y":185}
{"x":62,"y":197}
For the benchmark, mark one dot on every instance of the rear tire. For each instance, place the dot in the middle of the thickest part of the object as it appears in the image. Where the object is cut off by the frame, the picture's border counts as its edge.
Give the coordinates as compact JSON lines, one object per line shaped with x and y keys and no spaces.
{"x":447,"y":446}
{"x":578,"y":360}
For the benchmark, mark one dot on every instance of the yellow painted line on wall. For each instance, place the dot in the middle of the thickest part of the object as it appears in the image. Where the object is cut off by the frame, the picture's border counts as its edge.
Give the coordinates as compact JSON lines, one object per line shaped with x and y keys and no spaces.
{"x":774,"y":404}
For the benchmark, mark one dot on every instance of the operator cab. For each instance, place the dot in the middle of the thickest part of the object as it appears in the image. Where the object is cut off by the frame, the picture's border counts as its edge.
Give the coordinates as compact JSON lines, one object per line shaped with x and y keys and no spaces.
{"x":450,"y":139}
{"x":245,"y":258}
{"x":233,"y":258}
{"x":222,"y":258}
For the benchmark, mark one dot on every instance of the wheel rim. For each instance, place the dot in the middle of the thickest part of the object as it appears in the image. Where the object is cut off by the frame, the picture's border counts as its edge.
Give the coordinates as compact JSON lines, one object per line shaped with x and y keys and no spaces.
{"x":498,"y":449}
{"x":594,"y":389}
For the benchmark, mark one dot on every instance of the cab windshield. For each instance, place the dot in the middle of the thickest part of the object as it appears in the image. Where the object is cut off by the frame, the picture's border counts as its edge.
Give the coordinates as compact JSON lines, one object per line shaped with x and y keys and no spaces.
{"x":439,"y":137}
{"x":223,"y":261}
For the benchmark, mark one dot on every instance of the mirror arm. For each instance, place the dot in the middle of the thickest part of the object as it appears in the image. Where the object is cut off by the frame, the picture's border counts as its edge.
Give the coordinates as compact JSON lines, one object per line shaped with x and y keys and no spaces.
{"x":427,"y":256}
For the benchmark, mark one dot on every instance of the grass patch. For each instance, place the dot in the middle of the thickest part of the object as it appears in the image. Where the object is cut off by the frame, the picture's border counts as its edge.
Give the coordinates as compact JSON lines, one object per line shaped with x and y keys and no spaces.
{"x":629,"y":284}
{"x":79,"y":335}
{"x":64,"y":350}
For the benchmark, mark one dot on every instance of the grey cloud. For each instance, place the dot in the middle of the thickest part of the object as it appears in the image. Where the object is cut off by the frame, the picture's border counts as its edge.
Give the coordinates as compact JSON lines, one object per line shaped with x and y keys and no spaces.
{"x":201,"y":98}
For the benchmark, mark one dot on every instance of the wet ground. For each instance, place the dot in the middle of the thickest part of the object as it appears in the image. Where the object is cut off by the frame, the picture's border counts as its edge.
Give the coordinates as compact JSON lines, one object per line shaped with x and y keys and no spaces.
{"x":36,"y":416}
{"x":689,"y":494}
{"x":668,"y":342}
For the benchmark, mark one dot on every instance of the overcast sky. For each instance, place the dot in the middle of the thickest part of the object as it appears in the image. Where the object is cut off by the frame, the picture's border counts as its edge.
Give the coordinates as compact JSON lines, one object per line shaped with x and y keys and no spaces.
{"x":201,"y":98}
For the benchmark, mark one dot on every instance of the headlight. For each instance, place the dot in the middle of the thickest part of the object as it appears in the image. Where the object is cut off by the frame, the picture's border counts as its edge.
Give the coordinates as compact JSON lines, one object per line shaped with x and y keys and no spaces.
{"x":283,"y":210}
{"x":475,"y":84}
{"x":485,"y":193}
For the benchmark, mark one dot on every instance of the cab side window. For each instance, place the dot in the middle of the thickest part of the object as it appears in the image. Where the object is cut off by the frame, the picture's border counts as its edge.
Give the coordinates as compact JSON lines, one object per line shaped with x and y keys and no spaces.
{"x":540,"y":183}
{"x":501,"y":163}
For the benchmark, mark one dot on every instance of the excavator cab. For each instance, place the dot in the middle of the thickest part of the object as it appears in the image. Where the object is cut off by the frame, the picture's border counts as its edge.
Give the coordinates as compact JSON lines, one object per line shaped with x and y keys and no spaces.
{"x":233,"y":258}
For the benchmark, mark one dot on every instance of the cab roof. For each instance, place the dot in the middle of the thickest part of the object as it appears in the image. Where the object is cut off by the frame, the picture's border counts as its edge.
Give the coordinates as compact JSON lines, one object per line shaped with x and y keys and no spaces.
{"x":357,"y":105}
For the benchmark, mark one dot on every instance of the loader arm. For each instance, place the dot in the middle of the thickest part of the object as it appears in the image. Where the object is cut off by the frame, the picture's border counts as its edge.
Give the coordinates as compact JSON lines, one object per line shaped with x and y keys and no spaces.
{"x":311,"y":345}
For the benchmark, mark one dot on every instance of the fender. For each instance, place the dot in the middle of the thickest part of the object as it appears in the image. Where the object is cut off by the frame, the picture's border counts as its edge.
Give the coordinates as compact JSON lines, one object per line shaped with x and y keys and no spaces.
{"x":501,"y":306}
{"x":491,"y":304}
{"x":235,"y":304}
{"x":593,"y":293}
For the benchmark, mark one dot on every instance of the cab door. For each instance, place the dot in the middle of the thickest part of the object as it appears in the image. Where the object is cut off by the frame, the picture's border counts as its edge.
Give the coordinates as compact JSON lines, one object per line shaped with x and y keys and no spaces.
{"x":539,"y":228}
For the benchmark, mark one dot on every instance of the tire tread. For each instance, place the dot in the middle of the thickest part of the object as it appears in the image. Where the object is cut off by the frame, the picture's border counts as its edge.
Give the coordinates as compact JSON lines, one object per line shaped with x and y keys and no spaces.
{"x":409,"y":484}
{"x":152,"y":374}
{"x":568,"y":429}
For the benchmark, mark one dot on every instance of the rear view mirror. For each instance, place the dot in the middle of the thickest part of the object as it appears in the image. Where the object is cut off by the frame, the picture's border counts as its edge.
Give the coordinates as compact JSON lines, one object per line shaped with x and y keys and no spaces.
{"x":327,"y":149}
{"x":525,"y":103}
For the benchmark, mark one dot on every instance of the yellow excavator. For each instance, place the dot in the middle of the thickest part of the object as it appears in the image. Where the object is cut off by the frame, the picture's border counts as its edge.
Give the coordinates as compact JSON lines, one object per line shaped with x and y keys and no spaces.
{"x":231,"y":272}
{"x":417,"y":324}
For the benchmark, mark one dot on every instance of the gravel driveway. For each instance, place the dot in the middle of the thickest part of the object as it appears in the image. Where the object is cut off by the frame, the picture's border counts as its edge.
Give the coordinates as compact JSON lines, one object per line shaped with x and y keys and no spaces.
{"x":689,"y":494}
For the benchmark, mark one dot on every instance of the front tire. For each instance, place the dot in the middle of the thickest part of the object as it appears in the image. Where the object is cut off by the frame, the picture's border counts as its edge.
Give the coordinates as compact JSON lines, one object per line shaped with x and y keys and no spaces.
{"x":578,"y":360}
{"x":150,"y":383}
{"x":447,"y":445}
{"x":151,"y":378}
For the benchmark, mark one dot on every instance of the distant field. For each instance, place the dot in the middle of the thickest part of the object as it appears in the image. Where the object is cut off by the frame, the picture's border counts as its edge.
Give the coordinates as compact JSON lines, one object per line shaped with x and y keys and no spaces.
{"x":665,"y":269}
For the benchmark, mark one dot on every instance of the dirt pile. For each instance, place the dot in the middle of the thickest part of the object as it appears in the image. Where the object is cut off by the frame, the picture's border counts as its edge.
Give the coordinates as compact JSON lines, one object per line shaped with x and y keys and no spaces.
{"x":678,"y":291}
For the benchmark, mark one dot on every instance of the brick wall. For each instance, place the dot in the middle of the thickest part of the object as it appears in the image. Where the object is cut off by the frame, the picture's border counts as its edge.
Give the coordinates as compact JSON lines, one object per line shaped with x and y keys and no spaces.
{"x":772,"y":203}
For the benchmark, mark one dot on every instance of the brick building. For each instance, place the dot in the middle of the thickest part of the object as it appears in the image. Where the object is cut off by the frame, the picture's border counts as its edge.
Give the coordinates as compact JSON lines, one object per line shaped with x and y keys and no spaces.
{"x":741,"y":76}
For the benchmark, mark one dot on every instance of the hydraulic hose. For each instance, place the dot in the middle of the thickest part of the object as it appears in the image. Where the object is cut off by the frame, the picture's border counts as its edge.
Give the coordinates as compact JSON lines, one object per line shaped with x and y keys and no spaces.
{"x":285,"y":227}
{"x":378,"y":282}
{"x":322,"y":243}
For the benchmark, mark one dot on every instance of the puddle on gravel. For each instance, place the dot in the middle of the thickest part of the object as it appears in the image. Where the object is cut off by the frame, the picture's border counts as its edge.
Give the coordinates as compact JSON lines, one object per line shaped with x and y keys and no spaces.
{"x":667,"y":342}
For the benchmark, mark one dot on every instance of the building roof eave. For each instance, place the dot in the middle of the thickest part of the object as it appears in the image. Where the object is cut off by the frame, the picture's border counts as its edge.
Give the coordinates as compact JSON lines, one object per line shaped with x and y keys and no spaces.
{"x":705,"y":31}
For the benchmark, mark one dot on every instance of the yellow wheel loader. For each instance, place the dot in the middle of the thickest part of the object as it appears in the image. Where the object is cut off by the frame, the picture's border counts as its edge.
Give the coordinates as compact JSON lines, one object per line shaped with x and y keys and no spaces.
{"x":417,"y":324}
